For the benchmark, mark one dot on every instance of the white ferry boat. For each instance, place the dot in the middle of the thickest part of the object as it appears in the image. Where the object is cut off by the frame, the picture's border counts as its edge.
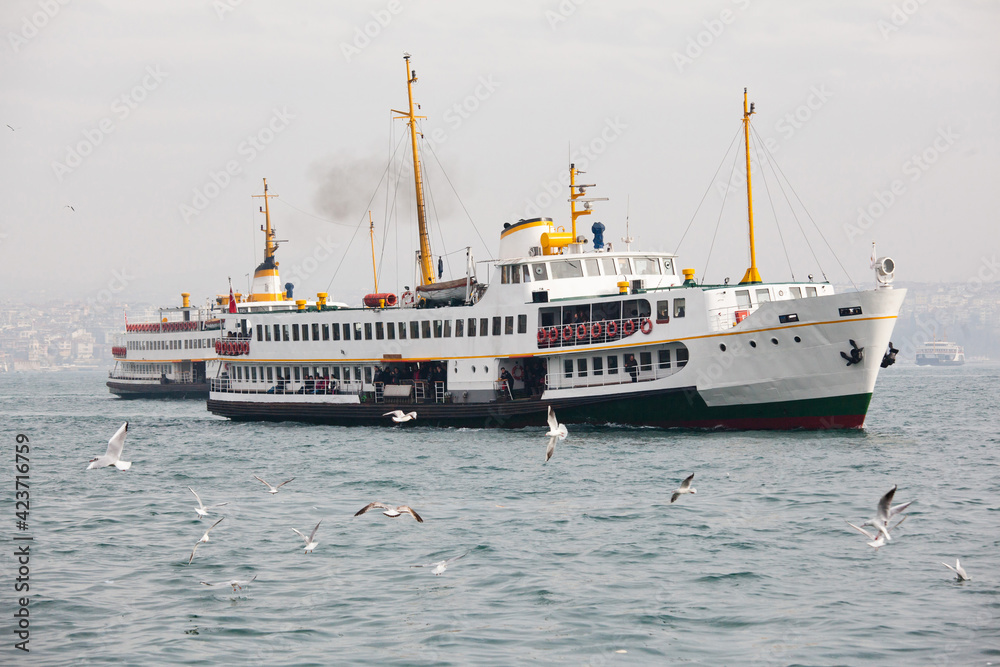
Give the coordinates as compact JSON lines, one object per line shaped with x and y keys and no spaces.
{"x":600,"y":334}
{"x":940,"y":353}
{"x":175,"y":355}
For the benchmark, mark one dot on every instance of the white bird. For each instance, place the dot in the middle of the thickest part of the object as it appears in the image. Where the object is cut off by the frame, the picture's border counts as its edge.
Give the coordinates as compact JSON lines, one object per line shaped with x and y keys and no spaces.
{"x":272,"y":489}
{"x":112,"y":457}
{"x":885,"y":512}
{"x":201,"y":509}
{"x":442,"y":565}
{"x":685,"y":487}
{"x":556,"y":432}
{"x":235,"y":583}
{"x":959,"y":570}
{"x":311,"y":542}
{"x":877,"y":539}
{"x":390,"y":510}
{"x":204,"y":538}
{"x":399,"y":416}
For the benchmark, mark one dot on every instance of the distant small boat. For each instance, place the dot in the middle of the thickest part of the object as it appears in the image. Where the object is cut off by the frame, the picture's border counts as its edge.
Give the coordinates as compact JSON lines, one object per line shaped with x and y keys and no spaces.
{"x":940,"y":353}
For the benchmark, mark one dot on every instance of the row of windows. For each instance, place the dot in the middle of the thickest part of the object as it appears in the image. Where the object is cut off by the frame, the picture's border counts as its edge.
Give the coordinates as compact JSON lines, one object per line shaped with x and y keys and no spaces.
{"x":393,"y":330}
{"x":597,"y":366}
{"x":579,"y":268}
{"x":271,"y":374}
{"x":145,"y":369}
{"x":174,"y":344}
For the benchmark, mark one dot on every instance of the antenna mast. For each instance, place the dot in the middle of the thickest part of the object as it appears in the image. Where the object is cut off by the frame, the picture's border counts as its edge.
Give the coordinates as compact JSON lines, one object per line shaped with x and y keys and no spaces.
{"x":751,"y":276}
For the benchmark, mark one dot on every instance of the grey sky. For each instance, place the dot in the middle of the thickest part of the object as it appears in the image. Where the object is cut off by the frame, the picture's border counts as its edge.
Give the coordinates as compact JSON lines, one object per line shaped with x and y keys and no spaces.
{"x":162,"y":96}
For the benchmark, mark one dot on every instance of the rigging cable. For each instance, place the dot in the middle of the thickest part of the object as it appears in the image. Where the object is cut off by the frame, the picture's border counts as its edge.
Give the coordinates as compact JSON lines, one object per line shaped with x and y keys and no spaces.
{"x":722,"y":208}
{"x":774,"y":212}
{"x":468,"y":215}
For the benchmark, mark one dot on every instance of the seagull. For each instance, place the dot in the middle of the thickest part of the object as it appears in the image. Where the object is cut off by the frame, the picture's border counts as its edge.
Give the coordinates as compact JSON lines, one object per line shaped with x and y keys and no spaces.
{"x":959,"y":570}
{"x":885,"y":512}
{"x":12,"y":129}
{"x":272,"y":489}
{"x":442,"y":565}
{"x":399,"y":416}
{"x":390,"y":511}
{"x":69,"y":207}
{"x":201,"y":509}
{"x":204,"y":538}
{"x":112,"y":457}
{"x":311,"y":542}
{"x":685,"y":487}
{"x":557,"y":431}
{"x":235,"y":583}
{"x":877,"y":538}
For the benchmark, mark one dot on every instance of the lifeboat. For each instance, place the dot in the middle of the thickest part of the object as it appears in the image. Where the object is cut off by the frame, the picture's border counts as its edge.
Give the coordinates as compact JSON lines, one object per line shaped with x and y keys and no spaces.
{"x":380,"y":300}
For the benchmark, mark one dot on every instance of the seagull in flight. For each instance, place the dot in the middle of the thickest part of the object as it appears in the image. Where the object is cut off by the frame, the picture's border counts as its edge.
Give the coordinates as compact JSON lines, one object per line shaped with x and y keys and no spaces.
{"x":442,"y":565}
{"x":390,"y":510}
{"x":876,"y":539}
{"x":685,"y":487}
{"x":399,"y":416}
{"x":959,"y":570}
{"x":67,"y":205}
{"x":235,"y":583}
{"x":272,"y":489}
{"x":886,"y":511}
{"x":204,"y":538}
{"x":201,"y":509}
{"x":311,"y":542}
{"x":112,"y":457}
{"x":556,"y":432}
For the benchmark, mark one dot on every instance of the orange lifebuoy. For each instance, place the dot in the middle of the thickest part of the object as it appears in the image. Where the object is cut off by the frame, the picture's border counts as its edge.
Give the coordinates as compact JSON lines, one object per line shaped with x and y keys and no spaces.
{"x":246,"y":347}
{"x":218,"y":347}
{"x":542,"y":336}
{"x":646,"y":327}
{"x":612,"y":329}
{"x":407,"y":299}
{"x":518,"y":372}
{"x":567,"y":332}
{"x":553,"y":334}
{"x":595,"y":330}
{"x":628,"y":327}
{"x":582,"y":330}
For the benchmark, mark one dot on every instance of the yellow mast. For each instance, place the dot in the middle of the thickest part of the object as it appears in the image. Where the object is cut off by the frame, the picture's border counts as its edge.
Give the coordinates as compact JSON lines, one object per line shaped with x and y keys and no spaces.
{"x":751,"y":276}
{"x":270,"y":244}
{"x":426,"y":257}
{"x":371,"y":231}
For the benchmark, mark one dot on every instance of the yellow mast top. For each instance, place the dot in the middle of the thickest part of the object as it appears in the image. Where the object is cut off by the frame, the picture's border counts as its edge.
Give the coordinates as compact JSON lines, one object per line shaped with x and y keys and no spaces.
{"x":426,"y":257}
{"x":371,"y":231}
{"x":270,"y":244}
{"x":576,"y":194}
{"x":751,"y":276}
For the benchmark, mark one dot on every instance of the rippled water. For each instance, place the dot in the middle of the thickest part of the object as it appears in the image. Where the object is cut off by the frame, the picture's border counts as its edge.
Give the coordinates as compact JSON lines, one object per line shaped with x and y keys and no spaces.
{"x":579,"y":561}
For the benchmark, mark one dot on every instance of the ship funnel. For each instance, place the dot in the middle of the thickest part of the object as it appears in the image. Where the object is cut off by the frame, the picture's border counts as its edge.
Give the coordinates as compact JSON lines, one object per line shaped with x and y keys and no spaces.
{"x":185,"y":299}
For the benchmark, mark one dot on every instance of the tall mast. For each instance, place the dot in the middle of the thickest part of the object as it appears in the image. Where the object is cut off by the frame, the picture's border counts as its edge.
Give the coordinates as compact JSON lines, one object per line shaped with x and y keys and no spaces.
{"x":751,"y":276}
{"x":371,"y":231}
{"x":426,"y":257}
{"x":270,"y":244}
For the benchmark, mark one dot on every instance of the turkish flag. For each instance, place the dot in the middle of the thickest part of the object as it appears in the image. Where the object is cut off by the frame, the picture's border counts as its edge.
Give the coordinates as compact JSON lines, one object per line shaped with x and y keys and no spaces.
{"x":232,"y":299}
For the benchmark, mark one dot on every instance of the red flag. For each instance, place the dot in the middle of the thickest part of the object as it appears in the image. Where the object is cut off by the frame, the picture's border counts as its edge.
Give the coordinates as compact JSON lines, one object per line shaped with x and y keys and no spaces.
{"x":232,"y":298}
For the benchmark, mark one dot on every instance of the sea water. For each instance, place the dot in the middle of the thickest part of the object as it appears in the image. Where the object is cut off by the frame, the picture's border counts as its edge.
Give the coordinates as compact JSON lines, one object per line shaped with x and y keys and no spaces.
{"x":581,"y":560}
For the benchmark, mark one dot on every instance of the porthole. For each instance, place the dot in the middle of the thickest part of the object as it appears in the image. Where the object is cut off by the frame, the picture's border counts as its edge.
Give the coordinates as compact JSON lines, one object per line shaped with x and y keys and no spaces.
{"x":722,"y":346}
{"x":753,"y":343}
{"x":798,"y":340}
{"x":774,"y":341}
{"x":781,"y":292}
{"x":473,"y":369}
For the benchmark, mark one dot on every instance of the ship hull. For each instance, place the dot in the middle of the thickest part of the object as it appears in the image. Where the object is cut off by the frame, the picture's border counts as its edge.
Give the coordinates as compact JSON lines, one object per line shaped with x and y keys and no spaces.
{"x":199,"y":390}
{"x":672,"y":408}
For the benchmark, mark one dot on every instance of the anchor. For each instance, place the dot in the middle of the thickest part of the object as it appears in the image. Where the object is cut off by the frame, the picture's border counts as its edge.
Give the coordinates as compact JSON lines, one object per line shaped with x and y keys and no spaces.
{"x":890,"y":357}
{"x":857,"y":354}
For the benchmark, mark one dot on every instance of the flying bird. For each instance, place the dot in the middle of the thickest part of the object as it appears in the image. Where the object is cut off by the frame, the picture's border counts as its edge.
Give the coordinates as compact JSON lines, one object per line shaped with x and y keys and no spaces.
{"x":885,"y":512}
{"x":204,"y":538}
{"x":112,"y":457}
{"x":442,"y":565}
{"x":685,"y":487}
{"x":556,"y":432}
{"x":68,"y":206}
{"x":876,"y":539}
{"x":202,"y":509}
{"x":959,"y":570}
{"x":235,"y":583}
{"x":272,"y":489}
{"x":11,"y":128}
{"x":399,"y":416}
{"x":311,"y":542}
{"x":390,"y":510}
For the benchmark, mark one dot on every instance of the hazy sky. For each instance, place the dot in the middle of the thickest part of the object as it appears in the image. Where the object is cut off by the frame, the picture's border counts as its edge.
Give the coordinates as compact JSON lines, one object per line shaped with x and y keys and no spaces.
{"x":156,"y":121}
